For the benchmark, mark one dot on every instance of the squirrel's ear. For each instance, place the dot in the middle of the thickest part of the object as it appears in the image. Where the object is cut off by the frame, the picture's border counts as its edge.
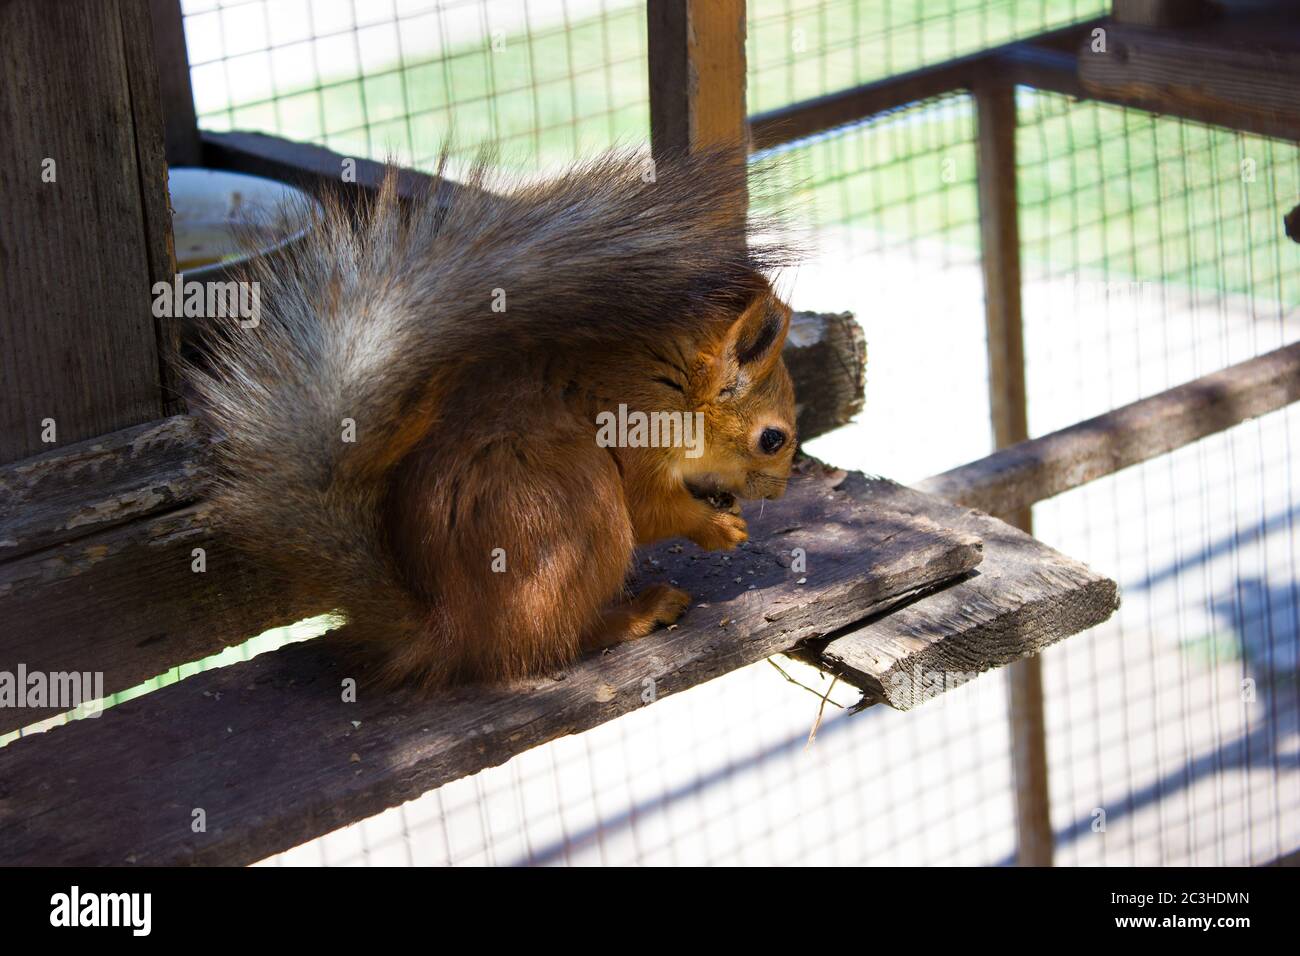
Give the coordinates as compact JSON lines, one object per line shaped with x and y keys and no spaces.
{"x":746,"y":346}
{"x":756,"y":337}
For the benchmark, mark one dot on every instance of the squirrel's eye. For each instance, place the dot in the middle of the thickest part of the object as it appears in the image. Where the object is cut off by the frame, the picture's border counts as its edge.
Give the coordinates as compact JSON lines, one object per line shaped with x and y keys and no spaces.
{"x":771,"y":440}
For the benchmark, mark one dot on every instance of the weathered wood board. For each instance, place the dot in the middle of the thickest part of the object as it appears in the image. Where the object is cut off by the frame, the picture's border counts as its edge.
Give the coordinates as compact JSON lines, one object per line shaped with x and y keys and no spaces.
{"x":272,"y":754}
{"x":1031,"y":471}
{"x":1023,"y":597}
{"x":1244,"y":66}
{"x":84,"y":234}
{"x":94,"y":485}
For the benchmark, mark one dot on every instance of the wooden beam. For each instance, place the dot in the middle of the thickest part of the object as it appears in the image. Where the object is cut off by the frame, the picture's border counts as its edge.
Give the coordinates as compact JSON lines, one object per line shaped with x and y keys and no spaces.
{"x":1024,"y":598}
{"x":97,"y":484}
{"x":130,"y":603}
{"x":273,"y":754}
{"x":805,"y":118}
{"x":1031,"y":471}
{"x":304,"y":165}
{"x":697,"y":73}
{"x":1000,"y":257}
{"x":1057,"y":71}
{"x":1239,"y":68}
{"x":184,"y":148}
{"x":1161,"y":13}
{"x":83,"y":234}
{"x":149,"y":125}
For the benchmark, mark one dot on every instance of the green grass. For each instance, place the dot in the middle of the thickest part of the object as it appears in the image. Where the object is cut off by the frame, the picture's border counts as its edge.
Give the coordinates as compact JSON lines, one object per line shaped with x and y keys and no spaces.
{"x":1104,"y":192}
{"x":554,"y":94}
{"x":799,"y":49}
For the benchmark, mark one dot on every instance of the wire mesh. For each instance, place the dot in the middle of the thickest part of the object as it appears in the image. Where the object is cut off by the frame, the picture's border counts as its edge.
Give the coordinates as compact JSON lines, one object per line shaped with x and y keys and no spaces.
{"x":799,"y":49}
{"x":1154,"y":253}
{"x":724,"y":773}
{"x":544,"y":80}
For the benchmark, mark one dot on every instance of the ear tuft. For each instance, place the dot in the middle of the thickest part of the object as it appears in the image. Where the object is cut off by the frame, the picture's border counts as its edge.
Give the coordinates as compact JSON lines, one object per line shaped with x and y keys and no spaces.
{"x":759,"y":333}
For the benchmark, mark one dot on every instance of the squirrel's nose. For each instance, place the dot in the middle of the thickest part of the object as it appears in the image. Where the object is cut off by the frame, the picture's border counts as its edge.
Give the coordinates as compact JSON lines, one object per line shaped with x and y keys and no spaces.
{"x":771,"y":440}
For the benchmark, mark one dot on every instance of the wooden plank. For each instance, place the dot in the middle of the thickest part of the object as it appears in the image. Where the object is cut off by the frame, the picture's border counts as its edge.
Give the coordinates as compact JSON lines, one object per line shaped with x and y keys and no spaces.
{"x":272,"y":754}
{"x":304,"y":165}
{"x":1058,"y":72}
{"x":78,"y":343}
{"x":809,"y":117}
{"x":184,"y":148}
{"x":1000,"y":260}
{"x":1032,"y":471}
{"x":128,"y":604}
{"x":97,"y":484}
{"x":1024,"y":598}
{"x":1161,"y":13}
{"x":696,"y":50}
{"x":96,"y":542}
{"x":1238,"y":66}
{"x":151,"y":153}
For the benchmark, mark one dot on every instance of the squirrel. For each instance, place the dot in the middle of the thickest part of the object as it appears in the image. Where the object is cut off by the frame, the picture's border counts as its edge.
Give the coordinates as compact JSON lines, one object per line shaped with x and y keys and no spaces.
{"x":409,"y":433}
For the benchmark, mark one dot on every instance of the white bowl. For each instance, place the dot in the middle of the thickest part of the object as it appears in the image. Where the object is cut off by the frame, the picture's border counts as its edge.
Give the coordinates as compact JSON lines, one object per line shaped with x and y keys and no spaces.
{"x":213,"y":212}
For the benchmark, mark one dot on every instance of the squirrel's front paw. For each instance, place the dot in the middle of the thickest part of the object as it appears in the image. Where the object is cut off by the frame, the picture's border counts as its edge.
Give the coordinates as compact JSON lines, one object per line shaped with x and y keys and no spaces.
{"x":667,"y":603}
{"x":722,"y":533}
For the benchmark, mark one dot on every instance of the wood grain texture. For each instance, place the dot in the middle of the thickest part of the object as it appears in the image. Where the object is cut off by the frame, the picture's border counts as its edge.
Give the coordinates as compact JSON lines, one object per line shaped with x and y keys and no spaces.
{"x":155,"y":198}
{"x":827,"y":358}
{"x":1008,"y":405}
{"x":127,"y":603}
{"x":77,"y":337}
{"x":1239,"y":66}
{"x":1032,"y":471}
{"x":272,"y":754}
{"x":181,"y":126}
{"x":94,"y":485}
{"x":1023,"y":598}
{"x":696,"y":50}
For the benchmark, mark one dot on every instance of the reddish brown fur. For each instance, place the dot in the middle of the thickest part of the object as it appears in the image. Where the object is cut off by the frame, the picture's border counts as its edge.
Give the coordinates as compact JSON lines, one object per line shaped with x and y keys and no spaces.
{"x":477,"y":430}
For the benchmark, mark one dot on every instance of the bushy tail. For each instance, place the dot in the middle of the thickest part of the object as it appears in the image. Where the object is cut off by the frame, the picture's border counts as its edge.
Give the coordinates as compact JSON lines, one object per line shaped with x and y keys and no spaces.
{"x":364,"y":320}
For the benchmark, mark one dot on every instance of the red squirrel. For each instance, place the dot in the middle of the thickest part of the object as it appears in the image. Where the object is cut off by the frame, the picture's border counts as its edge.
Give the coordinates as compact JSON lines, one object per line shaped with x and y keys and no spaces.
{"x":410,"y":432}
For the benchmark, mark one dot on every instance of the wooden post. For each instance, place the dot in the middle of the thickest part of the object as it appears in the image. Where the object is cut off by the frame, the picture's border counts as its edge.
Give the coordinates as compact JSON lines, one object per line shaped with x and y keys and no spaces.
{"x":697,"y":73}
{"x":85,"y":232}
{"x":1000,"y":243}
{"x":181,"y":126}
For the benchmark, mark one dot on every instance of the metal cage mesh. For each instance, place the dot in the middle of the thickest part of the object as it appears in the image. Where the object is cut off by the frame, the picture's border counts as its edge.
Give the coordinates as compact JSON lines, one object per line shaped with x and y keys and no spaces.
{"x":1152,"y":254}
